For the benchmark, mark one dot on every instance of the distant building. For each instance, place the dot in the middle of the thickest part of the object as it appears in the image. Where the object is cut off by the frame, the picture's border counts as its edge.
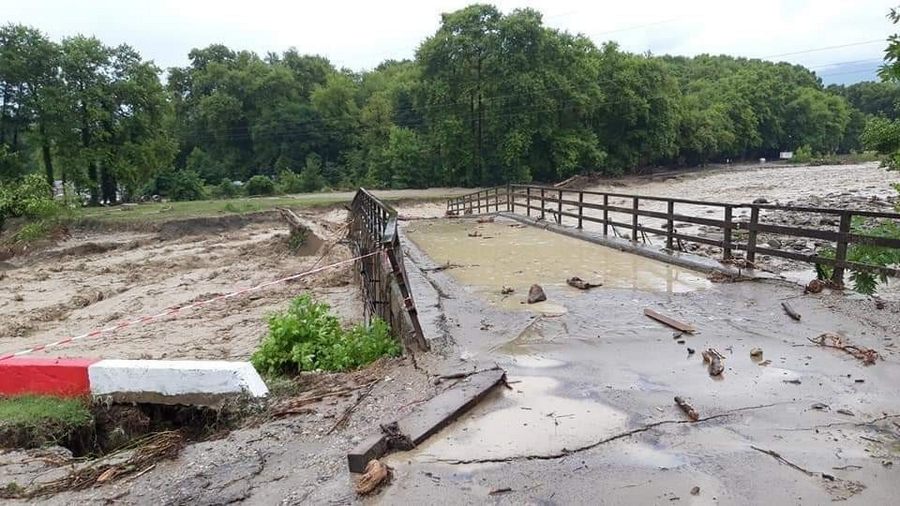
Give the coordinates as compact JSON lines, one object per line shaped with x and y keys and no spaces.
{"x":786,"y":155}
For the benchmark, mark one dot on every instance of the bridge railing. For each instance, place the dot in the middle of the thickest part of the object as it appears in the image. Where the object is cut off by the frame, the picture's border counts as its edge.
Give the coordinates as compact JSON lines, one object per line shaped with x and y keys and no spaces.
{"x":382,"y":276}
{"x":738,"y":225}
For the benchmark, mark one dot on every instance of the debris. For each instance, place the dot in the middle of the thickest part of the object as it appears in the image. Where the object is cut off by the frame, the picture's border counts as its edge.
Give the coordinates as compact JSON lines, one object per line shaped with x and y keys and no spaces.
{"x":346,"y":416}
{"x":814,"y":286}
{"x":507,"y":290}
{"x":299,"y":231}
{"x":756,"y":353}
{"x":396,"y":439}
{"x":446,"y":266}
{"x":859,"y":380}
{"x":845,"y":412}
{"x":581,"y":284}
{"x":760,"y":200}
{"x":764,"y":363}
{"x":474,"y":233}
{"x":714,"y":359}
{"x":790,"y":311}
{"x":829,"y":340}
{"x":485,"y":219}
{"x":376,"y":474}
{"x":887,"y":463}
{"x":680,"y":341}
{"x":820,"y":406}
{"x":695,"y":491}
{"x":688,"y":409}
{"x":498,"y":491}
{"x":792,"y":381}
{"x":298,"y":405}
{"x":461,"y":375}
{"x":690,"y":351}
{"x":839,"y":489}
{"x":536,"y":294}
{"x":675,"y":324}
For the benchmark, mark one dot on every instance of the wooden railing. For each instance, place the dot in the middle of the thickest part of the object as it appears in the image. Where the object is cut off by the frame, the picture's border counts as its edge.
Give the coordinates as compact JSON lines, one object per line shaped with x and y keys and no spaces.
{"x":737,"y":234}
{"x":383,"y":278}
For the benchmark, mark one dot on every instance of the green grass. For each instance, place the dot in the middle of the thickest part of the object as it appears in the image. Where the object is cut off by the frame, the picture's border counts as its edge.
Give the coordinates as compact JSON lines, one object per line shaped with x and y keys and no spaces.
{"x":36,"y":411}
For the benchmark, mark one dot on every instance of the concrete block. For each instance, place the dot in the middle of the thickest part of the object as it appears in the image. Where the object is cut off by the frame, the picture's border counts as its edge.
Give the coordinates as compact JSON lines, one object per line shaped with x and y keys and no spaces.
{"x":45,"y":376}
{"x":174,"y":381}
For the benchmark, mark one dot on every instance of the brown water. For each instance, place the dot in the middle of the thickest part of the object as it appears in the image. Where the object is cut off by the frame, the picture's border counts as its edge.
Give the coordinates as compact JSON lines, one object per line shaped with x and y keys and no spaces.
{"x":506,"y":254}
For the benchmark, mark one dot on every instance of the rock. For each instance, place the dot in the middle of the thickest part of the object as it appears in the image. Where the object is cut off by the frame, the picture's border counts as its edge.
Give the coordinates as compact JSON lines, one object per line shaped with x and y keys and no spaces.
{"x":761,"y":200}
{"x":815,"y":286}
{"x":695,"y":491}
{"x":581,"y":284}
{"x":756,"y":353}
{"x":774,"y":243}
{"x":536,"y":294}
{"x":506,"y":290}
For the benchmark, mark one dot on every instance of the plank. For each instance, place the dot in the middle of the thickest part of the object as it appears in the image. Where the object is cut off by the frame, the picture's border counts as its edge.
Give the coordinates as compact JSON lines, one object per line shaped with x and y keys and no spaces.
{"x":675,"y":324}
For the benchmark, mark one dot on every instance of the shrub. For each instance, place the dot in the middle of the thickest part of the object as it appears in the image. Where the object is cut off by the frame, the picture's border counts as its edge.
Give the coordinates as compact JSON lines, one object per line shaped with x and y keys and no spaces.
{"x":186,"y":185}
{"x":866,"y":282}
{"x":226,"y":189}
{"x":308,"y":337}
{"x":803,"y":154}
{"x":289,"y":182}
{"x":30,"y":198}
{"x":260,"y":185}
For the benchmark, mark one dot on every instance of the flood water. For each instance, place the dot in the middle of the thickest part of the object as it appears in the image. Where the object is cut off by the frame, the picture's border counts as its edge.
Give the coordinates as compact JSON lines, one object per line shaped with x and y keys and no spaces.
{"x":507,"y":254}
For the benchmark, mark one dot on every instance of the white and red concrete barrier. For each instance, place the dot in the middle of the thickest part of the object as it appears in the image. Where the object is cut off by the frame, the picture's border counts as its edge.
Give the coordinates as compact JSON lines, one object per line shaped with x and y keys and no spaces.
{"x":160,"y":381}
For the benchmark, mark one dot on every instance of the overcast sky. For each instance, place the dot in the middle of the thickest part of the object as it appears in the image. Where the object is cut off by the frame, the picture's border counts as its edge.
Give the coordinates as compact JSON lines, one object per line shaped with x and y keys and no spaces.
{"x":361,"y":34}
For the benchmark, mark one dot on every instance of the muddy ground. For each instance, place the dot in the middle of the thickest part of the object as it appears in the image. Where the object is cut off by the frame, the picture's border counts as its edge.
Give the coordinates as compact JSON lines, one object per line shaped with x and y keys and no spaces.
{"x":590,"y":418}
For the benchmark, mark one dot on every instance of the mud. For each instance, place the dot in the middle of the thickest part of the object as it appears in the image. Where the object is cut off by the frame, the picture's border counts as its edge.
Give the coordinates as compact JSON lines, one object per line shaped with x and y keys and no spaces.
{"x":95,"y":279}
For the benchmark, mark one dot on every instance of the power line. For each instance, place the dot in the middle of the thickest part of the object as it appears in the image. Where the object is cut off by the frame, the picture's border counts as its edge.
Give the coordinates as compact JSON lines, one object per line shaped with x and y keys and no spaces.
{"x":826,"y":48}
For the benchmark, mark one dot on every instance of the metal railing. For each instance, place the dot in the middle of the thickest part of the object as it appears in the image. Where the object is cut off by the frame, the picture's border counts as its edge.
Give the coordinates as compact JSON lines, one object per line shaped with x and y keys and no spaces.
{"x":383,"y":278}
{"x":604,"y":208}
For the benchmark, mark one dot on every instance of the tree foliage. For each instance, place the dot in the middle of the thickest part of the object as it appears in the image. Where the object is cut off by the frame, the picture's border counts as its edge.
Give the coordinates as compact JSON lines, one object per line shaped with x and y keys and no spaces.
{"x":490,"y":97}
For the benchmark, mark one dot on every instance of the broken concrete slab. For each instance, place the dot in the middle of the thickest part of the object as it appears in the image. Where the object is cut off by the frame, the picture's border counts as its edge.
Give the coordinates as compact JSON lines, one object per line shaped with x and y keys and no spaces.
{"x":433,"y":416}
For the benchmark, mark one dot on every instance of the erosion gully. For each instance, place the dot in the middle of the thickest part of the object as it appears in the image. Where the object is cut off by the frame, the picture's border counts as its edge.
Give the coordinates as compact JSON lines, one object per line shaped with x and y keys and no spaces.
{"x":589,"y":416}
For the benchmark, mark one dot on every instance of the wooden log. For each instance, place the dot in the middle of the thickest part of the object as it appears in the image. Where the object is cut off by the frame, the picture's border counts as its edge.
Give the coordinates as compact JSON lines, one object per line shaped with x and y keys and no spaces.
{"x":790,"y":311}
{"x":675,"y":324}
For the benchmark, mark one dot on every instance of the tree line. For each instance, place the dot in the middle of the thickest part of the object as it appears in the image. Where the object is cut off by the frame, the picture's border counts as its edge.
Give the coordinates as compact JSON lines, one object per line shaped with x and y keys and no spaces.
{"x":489,"y":98}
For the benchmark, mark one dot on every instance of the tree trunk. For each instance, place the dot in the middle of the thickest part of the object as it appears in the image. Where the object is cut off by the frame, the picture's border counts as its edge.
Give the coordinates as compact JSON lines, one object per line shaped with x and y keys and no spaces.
{"x":108,"y":185}
{"x":48,"y":158}
{"x":479,"y":140}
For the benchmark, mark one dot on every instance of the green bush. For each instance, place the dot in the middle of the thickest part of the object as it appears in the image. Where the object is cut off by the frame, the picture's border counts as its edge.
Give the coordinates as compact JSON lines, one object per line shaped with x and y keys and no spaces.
{"x":308,"y":337}
{"x":226,"y":189}
{"x":803,"y":154}
{"x":289,"y":182}
{"x":866,"y":282}
{"x":186,"y":185}
{"x":260,"y":185}
{"x":32,"y":198}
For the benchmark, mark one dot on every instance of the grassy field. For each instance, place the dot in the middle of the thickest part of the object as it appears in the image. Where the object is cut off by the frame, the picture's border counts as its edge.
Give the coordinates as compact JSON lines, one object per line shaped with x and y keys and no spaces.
{"x":165,"y":211}
{"x":36,"y":411}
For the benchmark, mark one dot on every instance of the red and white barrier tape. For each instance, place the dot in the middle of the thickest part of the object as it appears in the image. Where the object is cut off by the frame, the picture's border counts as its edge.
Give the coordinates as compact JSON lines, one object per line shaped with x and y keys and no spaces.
{"x":175,"y":310}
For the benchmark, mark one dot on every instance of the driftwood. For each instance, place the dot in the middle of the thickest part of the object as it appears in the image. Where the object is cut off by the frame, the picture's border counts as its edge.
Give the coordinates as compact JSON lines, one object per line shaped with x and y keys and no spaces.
{"x":829,"y":340}
{"x":294,"y":222}
{"x":687,"y":408}
{"x":376,"y":474}
{"x":675,"y":324}
{"x":790,"y":311}
{"x":714,"y":359}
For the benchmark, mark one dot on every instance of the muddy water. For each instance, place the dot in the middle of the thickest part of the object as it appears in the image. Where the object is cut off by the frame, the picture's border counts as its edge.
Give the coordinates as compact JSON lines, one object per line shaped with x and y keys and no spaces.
{"x":505,"y":254}
{"x":530,"y":419}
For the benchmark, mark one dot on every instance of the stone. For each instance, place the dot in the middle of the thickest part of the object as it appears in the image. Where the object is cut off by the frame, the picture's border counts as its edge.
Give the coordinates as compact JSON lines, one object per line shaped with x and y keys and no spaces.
{"x":761,"y":200}
{"x":536,"y":294}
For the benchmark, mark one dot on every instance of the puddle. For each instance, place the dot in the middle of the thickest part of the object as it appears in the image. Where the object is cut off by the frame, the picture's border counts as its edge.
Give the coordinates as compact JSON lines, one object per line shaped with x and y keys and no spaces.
{"x":517,"y":256}
{"x":528,"y":420}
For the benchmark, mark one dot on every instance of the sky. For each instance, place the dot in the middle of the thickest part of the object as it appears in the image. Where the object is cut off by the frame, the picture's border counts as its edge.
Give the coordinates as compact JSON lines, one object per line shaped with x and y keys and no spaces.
{"x":360,"y":34}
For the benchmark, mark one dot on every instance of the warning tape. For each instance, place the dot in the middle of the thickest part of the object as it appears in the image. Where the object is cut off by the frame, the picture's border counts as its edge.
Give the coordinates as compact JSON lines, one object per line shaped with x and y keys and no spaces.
{"x":175,"y":310}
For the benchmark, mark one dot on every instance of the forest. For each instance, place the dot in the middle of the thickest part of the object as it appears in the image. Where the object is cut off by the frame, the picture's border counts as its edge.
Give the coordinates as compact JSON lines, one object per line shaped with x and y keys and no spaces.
{"x":489,"y":98}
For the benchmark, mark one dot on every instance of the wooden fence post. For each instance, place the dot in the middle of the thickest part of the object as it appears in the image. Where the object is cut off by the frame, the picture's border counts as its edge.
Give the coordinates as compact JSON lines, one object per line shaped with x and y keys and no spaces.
{"x":634,"y":219}
{"x":840,"y":254}
{"x":605,"y":214}
{"x":670,"y":224}
{"x":528,"y":200}
{"x":542,"y":205}
{"x":510,"y":203}
{"x":580,"y":208}
{"x":726,"y":234}
{"x":751,"y":236}
{"x":559,"y":209}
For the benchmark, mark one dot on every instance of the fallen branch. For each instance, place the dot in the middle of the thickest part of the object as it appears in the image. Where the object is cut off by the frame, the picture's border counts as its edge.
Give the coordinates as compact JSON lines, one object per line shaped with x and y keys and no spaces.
{"x":581,"y":284}
{"x":297,"y":405}
{"x":777,"y":456}
{"x":346,"y":416}
{"x":829,"y":340}
{"x":461,"y":375}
